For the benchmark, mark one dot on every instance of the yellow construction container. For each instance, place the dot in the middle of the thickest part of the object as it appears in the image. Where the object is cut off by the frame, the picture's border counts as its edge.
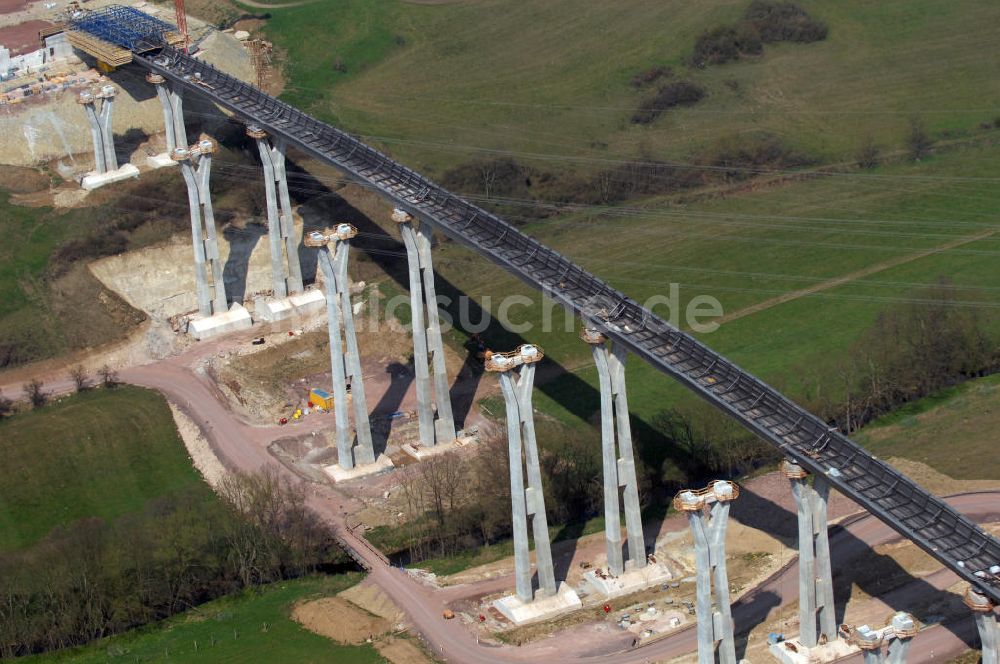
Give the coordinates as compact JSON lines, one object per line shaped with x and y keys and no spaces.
{"x":321,"y":398}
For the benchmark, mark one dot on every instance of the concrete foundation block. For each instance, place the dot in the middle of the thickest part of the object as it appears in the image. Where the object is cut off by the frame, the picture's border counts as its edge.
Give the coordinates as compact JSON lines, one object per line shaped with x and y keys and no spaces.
{"x":521,"y":613}
{"x":308,"y":302}
{"x":272,"y":309}
{"x":237,"y":318}
{"x":93,"y":180}
{"x":444,"y":431}
{"x":338,"y":474}
{"x":792,"y":651}
{"x":161,"y":160}
{"x":419,"y":452}
{"x":629,"y":582}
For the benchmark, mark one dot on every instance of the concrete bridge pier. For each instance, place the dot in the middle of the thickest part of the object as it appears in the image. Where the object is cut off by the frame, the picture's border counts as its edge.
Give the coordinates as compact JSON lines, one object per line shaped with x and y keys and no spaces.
{"x":986,"y":623}
{"x":286,"y":273}
{"x":345,"y":358}
{"x":870,"y":643}
{"x":904,"y":628}
{"x":106,"y":168}
{"x":815,"y":574}
{"x":898,"y":634}
{"x":107,"y":94}
{"x":345,"y":453}
{"x":715,"y":628}
{"x":517,"y":375}
{"x":619,"y":464}
{"x":88,"y":101}
{"x":176,"y":98}
{"x":173,"y":113}
{"x":428,"y":347}
{"x":215,"y":318}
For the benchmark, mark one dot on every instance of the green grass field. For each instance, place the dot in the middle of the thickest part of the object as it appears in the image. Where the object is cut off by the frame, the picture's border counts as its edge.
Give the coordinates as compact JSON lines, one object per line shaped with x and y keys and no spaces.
{"x":40,"y":316}
{"x":746,"y":249}
{"x":951,"y":431}
{"x":439,"y":83}
{"x":24,"y":318}
{"x":102,"y":453}
{"x":252,"y":627}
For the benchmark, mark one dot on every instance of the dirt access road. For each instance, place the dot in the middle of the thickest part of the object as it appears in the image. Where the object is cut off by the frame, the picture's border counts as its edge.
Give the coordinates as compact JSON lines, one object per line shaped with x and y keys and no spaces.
{"x":241,"y":446}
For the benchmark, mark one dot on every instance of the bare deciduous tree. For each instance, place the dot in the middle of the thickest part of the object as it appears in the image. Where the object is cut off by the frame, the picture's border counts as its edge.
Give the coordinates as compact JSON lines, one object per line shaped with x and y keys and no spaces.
{"x":918,"y":141}
{"x":79,"y":376}
{"x":868,"y":155}
{"x":109,"y":377}
{"x":33,"y":391}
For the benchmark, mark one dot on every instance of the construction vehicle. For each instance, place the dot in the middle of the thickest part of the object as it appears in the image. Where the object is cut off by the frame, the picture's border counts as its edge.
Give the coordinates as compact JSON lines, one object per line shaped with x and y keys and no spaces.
{"x":320,"y":399}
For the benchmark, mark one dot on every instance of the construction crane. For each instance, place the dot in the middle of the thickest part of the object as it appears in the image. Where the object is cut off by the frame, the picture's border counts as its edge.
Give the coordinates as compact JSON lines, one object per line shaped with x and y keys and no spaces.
{"x":182,"y":25}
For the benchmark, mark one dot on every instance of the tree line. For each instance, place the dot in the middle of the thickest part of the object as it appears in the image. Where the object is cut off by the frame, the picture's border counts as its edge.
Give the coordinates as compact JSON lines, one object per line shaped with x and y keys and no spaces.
{"x":938,"y":337}
{"x":95,"y":578}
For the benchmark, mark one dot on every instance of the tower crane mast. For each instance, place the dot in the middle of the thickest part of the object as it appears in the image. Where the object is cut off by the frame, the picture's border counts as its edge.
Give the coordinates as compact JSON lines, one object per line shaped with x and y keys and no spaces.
{"x":182,"y":22}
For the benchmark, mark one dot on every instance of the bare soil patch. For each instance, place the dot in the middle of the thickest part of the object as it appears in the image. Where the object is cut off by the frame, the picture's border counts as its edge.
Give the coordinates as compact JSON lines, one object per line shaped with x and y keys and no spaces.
{"x":340,"y":620}
{"x":22,"y":180}
{"x":936,"y":482}
{"x":362,"y":613}
{"x":11,"y":6}
{"x":22,"y":38}
{"x":198,"y":447}
{"x":402,"y":651}
{"x":371,"y":598}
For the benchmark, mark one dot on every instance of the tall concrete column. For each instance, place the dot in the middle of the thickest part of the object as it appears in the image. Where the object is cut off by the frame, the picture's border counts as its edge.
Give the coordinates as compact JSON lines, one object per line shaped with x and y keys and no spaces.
{"x":715,"y":627}
{"x":428,"y":346}
{"x":176,"y":97}
{"x":365,"y":451}
{"x":107,"y":94}
{"x":88,"y":101}
{"x":196,"y":165}
{"x":345,"y":359}
{"x":279,"y":273}
{"x":287,"y":221}
{"x":444,"y":426}
{"x":101,"y":131}
{"x":986,"y":623}
{"x":619,"y":464}
{"x":815,"y":573}
{"x":904,"y":628}
{"x":163,"y":94}
{"x":525,"y":502}
{"x":286,"y":272}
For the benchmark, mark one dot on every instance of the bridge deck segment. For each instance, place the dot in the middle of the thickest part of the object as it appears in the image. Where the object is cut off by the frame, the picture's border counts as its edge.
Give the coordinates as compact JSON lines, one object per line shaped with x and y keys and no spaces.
{"x":916,"y":514}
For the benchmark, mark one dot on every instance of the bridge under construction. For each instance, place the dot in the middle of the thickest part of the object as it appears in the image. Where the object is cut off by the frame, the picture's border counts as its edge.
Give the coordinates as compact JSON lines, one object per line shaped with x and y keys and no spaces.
{"x":806,"y":441}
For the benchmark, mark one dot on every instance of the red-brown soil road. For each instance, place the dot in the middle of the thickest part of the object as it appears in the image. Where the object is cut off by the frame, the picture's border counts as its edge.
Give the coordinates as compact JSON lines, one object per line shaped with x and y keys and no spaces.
{"x":244,"y":447}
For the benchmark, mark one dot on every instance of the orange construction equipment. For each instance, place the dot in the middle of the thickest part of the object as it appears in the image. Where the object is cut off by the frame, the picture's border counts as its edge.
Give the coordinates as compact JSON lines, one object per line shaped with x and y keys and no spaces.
{"x":182,"y":25}
{"x":320,"y":398}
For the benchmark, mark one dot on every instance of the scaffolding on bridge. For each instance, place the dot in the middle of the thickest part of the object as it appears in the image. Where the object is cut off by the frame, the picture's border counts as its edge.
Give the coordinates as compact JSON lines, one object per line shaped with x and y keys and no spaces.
{"x":115,"y":33}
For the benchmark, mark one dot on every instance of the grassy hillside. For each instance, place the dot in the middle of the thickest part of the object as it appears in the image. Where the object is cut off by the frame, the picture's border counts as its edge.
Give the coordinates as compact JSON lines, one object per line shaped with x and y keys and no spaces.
{"x":952,"y":431}
{"x":438,"y":83}
{"x":448,"y":82}
{"x":102,"y":453}
{"x":253,"y":627}
{"x":906,"y":225}
{"x":40,"y":316}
